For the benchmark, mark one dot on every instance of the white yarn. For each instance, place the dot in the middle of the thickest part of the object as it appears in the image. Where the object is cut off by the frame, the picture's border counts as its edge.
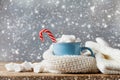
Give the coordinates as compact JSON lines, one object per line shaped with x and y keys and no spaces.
{"x":102,"y":42}
{"x":58,"y":64}
{"x":68,"y":64}
{"x":107,"y":61}
{"x":107,"y":58}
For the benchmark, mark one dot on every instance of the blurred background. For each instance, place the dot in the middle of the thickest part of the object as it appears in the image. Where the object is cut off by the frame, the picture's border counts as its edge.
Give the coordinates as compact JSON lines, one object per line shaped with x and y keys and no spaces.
{"x":21,"y":21}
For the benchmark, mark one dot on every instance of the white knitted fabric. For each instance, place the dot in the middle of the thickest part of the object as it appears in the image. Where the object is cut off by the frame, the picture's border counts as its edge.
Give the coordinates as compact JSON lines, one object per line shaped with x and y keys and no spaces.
{"x":107,"y":58}
{"x":68,"y":64}
{"x":107,"y":61}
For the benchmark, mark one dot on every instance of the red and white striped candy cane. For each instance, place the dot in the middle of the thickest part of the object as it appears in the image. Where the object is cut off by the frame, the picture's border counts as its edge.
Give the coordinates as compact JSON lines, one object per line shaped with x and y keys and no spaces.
{"x":49,"y":34}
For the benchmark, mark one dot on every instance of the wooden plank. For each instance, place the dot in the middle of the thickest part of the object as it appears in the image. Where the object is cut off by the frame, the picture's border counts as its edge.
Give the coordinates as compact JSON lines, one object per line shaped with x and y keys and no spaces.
{"x":5,"y":75}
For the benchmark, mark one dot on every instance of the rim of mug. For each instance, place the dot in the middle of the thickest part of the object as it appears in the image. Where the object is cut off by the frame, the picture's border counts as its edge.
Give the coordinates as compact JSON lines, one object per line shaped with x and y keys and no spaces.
{"x":66,"y":42}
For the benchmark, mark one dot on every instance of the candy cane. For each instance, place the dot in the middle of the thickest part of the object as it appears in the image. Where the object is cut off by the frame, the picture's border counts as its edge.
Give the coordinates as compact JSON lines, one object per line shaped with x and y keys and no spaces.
{"x":49,"y":34}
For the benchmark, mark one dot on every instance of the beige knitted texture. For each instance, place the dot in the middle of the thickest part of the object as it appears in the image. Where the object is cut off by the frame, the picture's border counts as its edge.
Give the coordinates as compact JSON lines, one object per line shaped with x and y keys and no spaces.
{"x":70,"y":64}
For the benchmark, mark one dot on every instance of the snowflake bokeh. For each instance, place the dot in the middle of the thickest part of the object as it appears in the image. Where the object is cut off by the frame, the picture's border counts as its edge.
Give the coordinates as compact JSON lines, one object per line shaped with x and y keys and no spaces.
{"x":21,"y":21}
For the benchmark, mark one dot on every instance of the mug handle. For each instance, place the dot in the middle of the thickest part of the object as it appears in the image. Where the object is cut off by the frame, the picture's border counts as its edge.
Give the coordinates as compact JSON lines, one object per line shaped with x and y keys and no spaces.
{"x":86,"y":48}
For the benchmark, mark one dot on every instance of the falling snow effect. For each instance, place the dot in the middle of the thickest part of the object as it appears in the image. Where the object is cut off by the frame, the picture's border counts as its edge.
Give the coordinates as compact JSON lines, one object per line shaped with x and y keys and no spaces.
{"x":21,"y":20}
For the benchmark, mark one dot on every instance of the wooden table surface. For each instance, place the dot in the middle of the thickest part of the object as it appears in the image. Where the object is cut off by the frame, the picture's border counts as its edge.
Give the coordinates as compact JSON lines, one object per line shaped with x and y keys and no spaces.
{"x":5,"y":75}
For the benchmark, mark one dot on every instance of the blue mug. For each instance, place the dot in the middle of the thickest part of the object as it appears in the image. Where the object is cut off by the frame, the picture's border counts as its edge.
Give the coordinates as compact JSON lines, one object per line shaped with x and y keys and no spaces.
{"x":72,"y":48}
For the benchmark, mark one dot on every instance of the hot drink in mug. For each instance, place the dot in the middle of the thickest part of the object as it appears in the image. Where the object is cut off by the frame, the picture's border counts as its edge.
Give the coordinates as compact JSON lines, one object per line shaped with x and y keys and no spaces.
{"x":71,"y":48}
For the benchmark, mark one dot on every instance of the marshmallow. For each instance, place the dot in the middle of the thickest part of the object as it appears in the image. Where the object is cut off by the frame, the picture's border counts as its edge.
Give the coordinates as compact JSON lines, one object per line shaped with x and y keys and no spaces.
{"x":27,"y":66}
{"x":67,"y":38}
{"x":18,"y":68}
{"x":9,"y":66}
{"x":58,"y":39}
{"x":14,"y":67}
{"x":37,"y":67}
{"x":78,"y":40}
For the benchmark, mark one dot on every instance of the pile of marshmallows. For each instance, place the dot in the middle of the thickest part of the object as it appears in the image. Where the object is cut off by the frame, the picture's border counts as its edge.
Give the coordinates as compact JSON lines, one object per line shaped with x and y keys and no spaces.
{"x":68,"y":38}
{"x":23,"y":67}
{"x":35,"y":67}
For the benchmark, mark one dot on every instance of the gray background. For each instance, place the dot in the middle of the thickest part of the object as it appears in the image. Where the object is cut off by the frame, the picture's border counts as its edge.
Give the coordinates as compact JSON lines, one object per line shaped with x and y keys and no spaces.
{"x":21,"y":21}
